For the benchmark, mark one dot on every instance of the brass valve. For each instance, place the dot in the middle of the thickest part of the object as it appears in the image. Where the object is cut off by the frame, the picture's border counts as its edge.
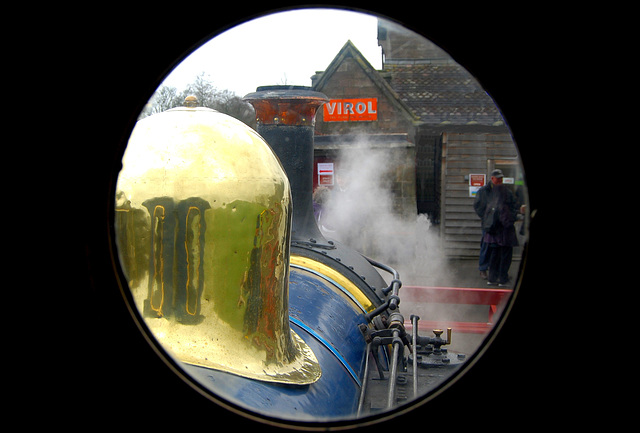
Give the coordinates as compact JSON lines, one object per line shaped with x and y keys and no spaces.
{"x":438,"y":333}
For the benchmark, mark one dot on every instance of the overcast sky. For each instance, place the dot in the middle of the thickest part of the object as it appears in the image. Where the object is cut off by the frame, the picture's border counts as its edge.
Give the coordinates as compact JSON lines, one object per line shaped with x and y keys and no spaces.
{"x":289,"y":46}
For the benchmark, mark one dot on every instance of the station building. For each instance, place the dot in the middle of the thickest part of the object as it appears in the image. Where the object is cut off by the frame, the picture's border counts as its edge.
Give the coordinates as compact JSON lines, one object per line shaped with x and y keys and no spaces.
{"x":440,"y":132}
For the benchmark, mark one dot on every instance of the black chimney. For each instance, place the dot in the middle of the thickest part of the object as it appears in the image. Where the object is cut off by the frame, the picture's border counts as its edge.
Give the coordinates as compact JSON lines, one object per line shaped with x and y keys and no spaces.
{"x":285,"y":119}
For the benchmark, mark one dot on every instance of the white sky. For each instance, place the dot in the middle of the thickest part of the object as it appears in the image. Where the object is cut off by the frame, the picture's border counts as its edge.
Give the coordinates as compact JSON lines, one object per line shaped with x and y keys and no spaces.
{"x":290,"y":45}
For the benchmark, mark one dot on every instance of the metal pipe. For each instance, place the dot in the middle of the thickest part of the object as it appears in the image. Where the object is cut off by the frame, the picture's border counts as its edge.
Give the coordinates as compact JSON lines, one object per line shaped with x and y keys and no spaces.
{"x":376,"y":354}
{"x":394,"y":368}
{"x":414,"y":342}
{"x":394,"y":287}
{"x":382,"y":266}
{"x":365,"y":378}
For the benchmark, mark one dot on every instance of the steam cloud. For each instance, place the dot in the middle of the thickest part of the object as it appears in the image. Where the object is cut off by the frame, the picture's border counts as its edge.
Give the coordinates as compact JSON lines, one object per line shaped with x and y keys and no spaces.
{"x":362,"y":212}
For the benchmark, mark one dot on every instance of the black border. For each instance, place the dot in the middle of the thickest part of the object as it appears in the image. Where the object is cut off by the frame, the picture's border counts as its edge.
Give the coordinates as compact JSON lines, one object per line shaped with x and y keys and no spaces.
{"x":117,"y":378}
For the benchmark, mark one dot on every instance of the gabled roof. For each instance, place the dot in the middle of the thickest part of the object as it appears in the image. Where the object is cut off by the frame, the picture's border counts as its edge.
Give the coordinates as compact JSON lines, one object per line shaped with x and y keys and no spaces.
{"x":349,"y":50}
{"x":443,"y":93}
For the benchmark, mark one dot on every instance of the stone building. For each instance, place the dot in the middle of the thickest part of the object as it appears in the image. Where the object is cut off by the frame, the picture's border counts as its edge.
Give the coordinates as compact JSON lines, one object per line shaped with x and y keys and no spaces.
{"x":365,"y":118}
{"x":435,"y":127}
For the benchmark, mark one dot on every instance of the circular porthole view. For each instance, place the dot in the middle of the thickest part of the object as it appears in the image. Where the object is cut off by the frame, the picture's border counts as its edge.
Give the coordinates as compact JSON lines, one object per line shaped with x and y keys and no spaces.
{"x":331,"y":232}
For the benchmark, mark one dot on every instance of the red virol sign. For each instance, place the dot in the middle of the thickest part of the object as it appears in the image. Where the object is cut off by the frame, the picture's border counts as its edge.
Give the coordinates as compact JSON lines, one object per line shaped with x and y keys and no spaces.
{"x":351,"y":110}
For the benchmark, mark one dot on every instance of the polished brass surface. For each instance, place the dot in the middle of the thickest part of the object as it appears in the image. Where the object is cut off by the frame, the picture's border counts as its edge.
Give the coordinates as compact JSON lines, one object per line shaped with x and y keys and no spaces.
{"x":203,"y":220}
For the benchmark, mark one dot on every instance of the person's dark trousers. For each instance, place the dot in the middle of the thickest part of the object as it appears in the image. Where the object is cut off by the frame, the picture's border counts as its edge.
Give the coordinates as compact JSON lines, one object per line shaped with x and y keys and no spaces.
{"x":499,"y":263}
{"x":483,"y":261}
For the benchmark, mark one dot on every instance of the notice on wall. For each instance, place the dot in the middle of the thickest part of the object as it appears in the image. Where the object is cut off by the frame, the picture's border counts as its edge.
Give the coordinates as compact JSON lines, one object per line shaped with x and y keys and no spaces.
{"x":351,"y":110}
{"x":476,"y":181}
{"x":325,"y":173}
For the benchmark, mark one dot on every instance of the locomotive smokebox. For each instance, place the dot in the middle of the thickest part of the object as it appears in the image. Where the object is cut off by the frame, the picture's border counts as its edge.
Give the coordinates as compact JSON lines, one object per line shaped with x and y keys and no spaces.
{"x":285,"y":119}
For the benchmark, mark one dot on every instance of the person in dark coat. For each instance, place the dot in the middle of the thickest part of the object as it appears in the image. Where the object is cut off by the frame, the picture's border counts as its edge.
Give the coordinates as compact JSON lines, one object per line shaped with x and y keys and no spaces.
{"x":501,"y":236}
{"x":483,"y":197}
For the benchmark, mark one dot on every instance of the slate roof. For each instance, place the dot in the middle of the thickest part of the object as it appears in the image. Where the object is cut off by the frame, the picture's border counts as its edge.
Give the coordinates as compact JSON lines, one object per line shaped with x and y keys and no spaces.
{"x":429,"y":92}
{"x":442,"y":93}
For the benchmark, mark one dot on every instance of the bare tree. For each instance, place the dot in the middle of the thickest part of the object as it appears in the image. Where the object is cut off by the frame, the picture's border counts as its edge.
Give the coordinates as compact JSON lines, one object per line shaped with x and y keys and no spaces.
{"x":203,"y":89}
{"x":284,"y":80}
{"x":163,"y":99}
{"x":229,"y":103}
{"x":224,"y":101}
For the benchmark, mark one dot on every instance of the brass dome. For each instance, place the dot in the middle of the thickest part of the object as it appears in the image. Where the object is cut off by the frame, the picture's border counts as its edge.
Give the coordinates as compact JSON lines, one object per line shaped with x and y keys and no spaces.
{"x":203,"y":223}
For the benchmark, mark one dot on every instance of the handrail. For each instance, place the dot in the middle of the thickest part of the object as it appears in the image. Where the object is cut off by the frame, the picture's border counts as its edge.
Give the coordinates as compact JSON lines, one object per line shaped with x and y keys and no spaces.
{"x":494,"y":298}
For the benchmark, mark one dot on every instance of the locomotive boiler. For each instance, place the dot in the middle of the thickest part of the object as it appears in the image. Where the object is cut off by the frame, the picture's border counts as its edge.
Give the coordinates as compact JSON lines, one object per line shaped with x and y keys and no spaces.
{"x":230,"y":274}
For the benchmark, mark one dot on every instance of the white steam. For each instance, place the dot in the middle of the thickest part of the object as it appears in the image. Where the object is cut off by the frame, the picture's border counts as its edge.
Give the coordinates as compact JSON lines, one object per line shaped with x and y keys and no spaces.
{"x":363,"y":211}
{"x":365,"y":214}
